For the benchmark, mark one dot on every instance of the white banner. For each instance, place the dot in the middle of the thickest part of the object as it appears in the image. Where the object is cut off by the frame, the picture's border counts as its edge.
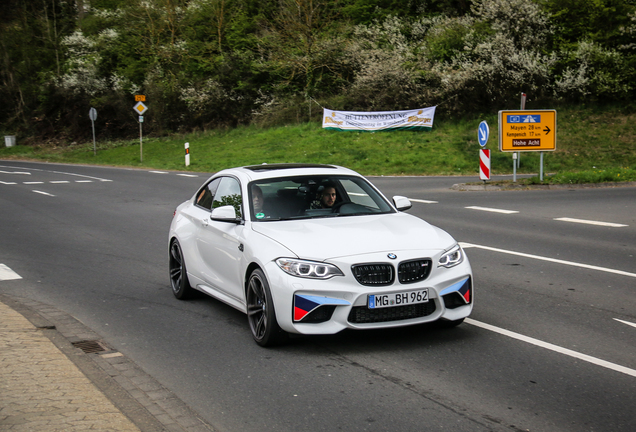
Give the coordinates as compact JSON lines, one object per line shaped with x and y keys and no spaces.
{"x":380,"y":120}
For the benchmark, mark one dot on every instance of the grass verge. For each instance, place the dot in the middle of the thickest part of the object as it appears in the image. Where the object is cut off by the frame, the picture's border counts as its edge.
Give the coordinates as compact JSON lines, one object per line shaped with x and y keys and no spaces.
{"x":593,"y":145}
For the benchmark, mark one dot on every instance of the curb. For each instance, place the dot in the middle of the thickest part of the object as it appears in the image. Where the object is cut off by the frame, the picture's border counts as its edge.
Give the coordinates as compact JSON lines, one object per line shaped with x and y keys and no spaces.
{"x":515,"y":187}
{"x":141,"y":398}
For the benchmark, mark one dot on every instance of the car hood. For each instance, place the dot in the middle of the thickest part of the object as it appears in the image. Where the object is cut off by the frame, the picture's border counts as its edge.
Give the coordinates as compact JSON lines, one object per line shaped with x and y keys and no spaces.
{"x":328,"y":238}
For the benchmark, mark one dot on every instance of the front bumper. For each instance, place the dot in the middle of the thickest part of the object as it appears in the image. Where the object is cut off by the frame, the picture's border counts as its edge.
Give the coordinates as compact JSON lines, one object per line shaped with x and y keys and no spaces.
{"x":308,"y":306}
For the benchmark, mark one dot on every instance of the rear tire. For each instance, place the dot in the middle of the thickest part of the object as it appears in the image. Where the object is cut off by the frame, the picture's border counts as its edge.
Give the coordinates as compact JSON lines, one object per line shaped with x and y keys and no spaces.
{"x":260,"y":312}
{"x":178,"y":274}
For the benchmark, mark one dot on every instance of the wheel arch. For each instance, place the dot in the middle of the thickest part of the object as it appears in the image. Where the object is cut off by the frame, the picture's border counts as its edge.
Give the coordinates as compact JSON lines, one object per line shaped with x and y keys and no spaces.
{"x":248,"y":271}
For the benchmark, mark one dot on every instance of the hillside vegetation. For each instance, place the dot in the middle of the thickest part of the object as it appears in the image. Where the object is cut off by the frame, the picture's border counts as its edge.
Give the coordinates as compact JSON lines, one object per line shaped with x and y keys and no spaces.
{"x":210,"y":65}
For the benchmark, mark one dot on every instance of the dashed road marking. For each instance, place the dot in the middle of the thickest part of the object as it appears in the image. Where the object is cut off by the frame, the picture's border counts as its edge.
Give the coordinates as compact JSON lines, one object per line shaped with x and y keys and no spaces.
{"x":626,"y":322}
{"x":43,"y":193}
{"x":33,"y":182}
{"x":15,"y":172}
{"x":423,"y":201}
{"x":590,"y":222}
{"x":493,"y":210}
{"x":7,"y":274}
{"x":187,"y":175}
{"x":552,"y":347}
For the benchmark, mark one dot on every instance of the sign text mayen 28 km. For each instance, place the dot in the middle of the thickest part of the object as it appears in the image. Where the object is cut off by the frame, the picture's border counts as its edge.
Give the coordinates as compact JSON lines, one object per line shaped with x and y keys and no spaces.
{"x":527,"y":130}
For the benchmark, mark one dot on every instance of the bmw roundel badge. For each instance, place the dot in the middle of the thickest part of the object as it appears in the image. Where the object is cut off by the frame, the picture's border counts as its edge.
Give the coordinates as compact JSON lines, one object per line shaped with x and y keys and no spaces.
{"x":392,"y":256}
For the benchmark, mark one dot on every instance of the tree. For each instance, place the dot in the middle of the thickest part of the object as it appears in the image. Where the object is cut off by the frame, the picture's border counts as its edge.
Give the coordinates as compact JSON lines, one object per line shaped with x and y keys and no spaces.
{"x":303,"y":45}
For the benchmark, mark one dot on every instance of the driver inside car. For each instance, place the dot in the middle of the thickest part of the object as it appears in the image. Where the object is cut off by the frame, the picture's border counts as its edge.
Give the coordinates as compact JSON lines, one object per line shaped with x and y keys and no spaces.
{"x":326,"y":197}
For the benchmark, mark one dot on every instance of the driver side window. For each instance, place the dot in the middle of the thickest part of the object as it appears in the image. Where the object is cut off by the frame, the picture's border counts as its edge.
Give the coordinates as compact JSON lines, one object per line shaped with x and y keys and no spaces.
{"x":229,"y":193}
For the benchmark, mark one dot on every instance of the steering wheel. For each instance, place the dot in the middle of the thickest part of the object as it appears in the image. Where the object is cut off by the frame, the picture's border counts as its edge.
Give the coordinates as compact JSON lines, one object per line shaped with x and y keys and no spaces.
{"x":337,"y":206}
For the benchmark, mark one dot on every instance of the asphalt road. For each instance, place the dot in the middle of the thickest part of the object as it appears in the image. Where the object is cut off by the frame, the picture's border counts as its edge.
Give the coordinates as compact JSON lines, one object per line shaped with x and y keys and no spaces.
{"x":551,"y":344}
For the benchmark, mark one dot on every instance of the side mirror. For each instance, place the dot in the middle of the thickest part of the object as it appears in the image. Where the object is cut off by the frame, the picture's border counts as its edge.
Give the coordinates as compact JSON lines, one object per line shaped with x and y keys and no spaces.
{"x":225,"y":214}
{"x":402,"y":203}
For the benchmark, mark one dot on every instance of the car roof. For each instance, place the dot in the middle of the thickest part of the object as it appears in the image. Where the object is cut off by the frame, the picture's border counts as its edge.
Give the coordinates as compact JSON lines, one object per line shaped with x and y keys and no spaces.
{"x":264,"y":171}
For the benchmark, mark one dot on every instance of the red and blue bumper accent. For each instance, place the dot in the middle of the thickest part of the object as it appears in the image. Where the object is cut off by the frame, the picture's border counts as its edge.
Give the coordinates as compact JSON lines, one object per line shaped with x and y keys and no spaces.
{"x":304,"y":305}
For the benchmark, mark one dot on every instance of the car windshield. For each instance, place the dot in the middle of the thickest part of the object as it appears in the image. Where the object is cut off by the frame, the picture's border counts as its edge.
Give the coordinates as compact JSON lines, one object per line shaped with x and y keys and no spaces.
{"x":314,"y":197}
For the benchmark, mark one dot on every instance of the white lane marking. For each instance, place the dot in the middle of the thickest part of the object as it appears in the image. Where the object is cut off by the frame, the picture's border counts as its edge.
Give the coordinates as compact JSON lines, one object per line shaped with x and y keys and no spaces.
{"x":589,"y":222}
{"x":65,"y":173}
{"x":159,"y":172}
{"x":15,"y":172}
{"x":626,"y":322}
{"x":492,"y":210}
{"x":8,"y":183}
{"x":43,"y":193}
{"x":187,"y":175}
{"x":33,"y":182}
{"x":83,"y":181}
{"x":7,"y":274}
{"x":59,"y":181}
{"x":423,"y":201}
{"x":81,"y":175}
{"x":552,"y":347}
{"x":557,"y":261}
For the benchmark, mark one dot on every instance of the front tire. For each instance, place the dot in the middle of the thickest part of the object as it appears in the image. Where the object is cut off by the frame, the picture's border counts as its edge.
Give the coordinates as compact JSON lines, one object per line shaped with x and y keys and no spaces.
{"x":260,"y":312}
{"x":178,"y":274}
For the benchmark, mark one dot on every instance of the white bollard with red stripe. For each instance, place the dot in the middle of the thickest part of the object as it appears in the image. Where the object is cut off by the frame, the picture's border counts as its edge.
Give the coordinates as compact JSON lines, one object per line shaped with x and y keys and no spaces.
{"x":484,"y":164}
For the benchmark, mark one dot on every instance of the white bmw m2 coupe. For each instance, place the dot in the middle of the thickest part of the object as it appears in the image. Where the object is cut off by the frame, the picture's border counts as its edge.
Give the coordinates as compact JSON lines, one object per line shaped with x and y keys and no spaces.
{"x":315,"y":249}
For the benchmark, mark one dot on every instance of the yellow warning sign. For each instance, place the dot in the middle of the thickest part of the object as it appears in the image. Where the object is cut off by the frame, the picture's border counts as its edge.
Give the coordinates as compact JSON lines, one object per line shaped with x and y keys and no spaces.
{"x":521,"y":131}
{"x":140,"y":107}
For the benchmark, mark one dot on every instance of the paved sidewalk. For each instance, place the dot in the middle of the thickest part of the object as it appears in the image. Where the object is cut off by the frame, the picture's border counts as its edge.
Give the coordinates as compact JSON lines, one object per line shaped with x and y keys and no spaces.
{"x":42,"y":390}
{"x":48,"y":384}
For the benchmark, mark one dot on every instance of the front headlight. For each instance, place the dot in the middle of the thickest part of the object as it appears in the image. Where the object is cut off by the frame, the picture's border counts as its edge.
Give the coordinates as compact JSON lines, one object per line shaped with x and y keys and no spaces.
{"x":451,"y":258}
{"x":308,"y":269}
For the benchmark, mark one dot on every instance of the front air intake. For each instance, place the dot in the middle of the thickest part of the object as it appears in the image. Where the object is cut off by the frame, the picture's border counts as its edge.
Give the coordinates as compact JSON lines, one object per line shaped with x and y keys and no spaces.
{"x":364,"y":315}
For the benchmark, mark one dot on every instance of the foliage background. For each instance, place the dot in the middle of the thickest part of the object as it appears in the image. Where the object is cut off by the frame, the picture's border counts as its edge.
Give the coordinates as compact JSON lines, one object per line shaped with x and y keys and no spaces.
{"x":216,"y":64}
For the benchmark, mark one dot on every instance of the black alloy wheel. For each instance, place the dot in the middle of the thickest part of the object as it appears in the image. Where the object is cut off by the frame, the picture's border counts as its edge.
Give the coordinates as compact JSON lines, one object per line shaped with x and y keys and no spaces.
{"x":260,"y":312}
{"x":178,"y":275}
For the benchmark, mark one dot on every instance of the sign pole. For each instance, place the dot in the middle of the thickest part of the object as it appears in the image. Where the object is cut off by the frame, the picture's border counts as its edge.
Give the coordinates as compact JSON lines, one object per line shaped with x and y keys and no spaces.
{"x":523,"y":106}
{"x":94,"y":146}
{"x":92,"y":113}
{"x":141,"y":148}
{"x":541,"y":167}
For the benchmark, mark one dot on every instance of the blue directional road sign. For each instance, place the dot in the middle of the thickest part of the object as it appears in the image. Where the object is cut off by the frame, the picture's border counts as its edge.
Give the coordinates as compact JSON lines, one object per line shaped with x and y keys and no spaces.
{"x":482,"y":133}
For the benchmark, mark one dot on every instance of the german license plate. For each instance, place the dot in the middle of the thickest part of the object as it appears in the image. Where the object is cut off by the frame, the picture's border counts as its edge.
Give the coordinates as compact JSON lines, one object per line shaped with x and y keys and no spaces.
{"x":376,"y":301}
